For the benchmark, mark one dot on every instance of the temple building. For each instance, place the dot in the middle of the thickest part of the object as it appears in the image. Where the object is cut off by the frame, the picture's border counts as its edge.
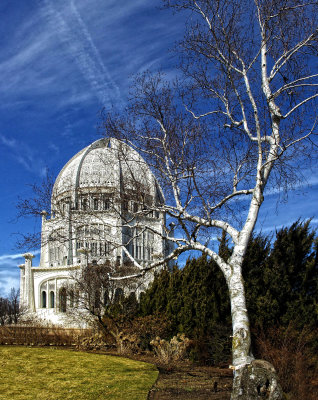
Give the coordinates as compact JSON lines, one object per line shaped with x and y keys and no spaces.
{"x":105,"y":208}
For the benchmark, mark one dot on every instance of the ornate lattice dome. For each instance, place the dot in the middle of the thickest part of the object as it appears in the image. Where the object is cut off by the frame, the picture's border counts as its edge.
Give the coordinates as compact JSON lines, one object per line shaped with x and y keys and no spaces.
{"x":107,"y":165}
{"x":104,"y":212}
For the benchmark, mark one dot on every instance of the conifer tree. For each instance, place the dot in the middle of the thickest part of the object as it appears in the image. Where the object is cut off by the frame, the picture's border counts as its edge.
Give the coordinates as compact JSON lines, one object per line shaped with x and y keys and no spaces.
{"x":291,"y":276}
{"x":281,"y":282}
{"x":281,"y":285}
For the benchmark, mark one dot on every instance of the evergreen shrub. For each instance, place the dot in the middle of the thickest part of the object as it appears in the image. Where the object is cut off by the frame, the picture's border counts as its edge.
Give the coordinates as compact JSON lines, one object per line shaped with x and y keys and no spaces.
{"x":281,"y":282}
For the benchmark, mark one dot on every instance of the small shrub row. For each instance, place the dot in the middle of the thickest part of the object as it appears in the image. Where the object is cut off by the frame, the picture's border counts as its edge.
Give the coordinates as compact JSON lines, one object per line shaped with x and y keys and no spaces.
{"x":41,"y":336}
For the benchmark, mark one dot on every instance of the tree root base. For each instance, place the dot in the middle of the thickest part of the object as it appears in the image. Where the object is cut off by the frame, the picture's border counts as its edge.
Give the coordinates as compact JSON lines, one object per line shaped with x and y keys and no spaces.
{"x":257,"y":381}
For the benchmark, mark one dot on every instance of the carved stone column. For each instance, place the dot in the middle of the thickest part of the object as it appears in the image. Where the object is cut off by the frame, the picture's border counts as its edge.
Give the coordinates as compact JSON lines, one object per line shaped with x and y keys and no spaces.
{"x":29,"y":284}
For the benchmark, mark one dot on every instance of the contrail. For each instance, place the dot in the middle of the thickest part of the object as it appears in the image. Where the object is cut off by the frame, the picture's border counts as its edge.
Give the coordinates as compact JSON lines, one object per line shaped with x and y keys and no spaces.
{"x":95,"y":51}
{"x":74,"y":34}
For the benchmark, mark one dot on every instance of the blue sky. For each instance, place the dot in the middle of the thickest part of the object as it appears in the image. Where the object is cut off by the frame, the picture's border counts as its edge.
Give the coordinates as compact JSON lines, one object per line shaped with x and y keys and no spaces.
{"x":61,"y":61}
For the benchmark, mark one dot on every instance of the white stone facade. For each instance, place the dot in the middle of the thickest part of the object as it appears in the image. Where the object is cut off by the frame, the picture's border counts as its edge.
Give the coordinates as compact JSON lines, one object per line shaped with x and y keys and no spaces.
{"x":103,"y":209}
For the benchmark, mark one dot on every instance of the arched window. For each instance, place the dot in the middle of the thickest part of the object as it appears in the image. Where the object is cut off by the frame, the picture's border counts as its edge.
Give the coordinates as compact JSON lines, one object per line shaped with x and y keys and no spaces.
{"x":52,"y":299}
{"x":106,"y":297}
{"x":43,"y":299}
{"x":119,"y":293}
{"x":106,"y":203}
{"x":132,"y":297}
{"x":84,"y":203}
{"x":72,"y":299}
{"x":95,"y":204}
{"x":63,"y":299}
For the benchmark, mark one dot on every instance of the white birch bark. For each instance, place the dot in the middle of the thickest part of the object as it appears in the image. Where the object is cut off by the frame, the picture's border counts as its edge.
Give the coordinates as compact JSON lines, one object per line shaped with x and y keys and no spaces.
{"x":241,"y":340}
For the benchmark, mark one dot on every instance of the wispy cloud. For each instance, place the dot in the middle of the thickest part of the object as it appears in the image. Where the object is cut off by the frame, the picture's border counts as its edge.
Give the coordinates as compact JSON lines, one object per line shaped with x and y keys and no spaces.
{"x":74,"y":34}
{"x":309,"y":180}
{"x":18,"y":76}
{"x":29,"y":158}
{"x":11,"y":143}
{"x":9,"y":271}
{"x":8,"y":258}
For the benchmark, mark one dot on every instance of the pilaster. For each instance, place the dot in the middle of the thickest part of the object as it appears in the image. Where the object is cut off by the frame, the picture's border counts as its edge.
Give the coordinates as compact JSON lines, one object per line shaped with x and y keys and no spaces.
{"x":44,"y":260}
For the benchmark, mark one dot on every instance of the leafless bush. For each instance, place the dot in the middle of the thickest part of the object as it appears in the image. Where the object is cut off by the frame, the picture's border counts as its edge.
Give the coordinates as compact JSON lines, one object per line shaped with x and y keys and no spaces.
{"x":173,"y":350}
{"x":294,"y":359}
{"x":97,"y":341}
{"x":127,"y":343}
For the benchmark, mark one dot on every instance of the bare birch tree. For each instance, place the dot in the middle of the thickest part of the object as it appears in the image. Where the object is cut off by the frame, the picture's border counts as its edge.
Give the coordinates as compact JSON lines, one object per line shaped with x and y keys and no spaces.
{"x":240,"y":119}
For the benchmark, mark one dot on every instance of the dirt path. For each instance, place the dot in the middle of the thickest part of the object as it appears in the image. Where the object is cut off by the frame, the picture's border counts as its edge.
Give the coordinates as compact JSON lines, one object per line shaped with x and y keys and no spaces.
{"x":191,"y":382}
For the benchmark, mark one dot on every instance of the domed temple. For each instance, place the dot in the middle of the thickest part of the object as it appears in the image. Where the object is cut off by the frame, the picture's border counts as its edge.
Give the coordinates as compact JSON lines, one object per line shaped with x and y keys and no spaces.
{"x":104,"y":209}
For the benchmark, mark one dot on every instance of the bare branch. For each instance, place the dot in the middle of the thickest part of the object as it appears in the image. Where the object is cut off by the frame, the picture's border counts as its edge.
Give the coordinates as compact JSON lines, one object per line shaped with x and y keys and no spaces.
{"x":288,"y":55}
{"x":299,"y":105}
{"x":205,"y":114}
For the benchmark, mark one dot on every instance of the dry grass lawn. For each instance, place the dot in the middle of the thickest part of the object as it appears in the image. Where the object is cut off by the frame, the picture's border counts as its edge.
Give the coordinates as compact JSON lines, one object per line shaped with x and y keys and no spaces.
{"x":48,"y":373}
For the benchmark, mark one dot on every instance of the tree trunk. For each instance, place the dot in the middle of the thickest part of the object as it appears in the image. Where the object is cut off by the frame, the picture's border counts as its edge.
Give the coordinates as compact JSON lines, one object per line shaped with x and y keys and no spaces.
{"x":253,"y":379}
{"x":241,"y":341}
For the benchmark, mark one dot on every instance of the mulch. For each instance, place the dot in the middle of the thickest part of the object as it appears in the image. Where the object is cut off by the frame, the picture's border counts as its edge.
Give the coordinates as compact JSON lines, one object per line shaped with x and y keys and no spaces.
{"x":192,"y":382}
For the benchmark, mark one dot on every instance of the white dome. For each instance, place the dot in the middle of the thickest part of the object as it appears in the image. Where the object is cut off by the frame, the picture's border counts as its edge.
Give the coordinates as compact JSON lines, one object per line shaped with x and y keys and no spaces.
{"x":105,"y":165}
